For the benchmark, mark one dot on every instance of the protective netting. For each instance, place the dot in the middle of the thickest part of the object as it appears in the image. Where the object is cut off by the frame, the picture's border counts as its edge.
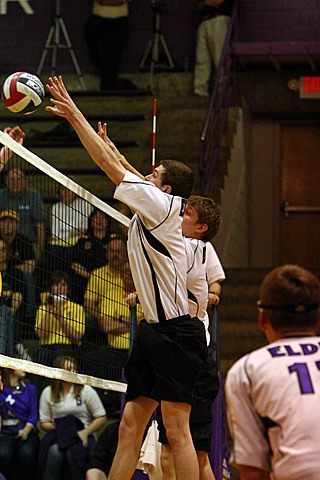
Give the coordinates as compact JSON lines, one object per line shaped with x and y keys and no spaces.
{"x":65,"y":275}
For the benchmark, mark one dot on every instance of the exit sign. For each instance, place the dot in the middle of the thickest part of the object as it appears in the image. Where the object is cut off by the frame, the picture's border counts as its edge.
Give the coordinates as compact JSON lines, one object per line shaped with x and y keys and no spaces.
{"x":309,"y":87}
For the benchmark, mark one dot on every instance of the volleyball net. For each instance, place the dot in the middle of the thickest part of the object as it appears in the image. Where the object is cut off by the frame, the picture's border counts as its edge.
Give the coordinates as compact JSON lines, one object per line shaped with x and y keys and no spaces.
{"x":66,"y":280}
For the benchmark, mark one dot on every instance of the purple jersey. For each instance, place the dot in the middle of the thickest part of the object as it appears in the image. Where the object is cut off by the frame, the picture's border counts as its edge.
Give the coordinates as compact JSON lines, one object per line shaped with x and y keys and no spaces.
{"x":18,"y":406}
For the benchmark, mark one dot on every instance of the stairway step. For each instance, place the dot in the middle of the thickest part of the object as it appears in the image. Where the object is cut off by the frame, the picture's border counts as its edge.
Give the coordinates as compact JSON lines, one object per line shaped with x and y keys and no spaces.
{"x":39,"y":117}
{"x":71,"y":143}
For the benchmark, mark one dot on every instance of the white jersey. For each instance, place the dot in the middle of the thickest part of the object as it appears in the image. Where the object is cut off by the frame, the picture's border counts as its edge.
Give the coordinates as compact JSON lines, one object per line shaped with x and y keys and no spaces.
{"x":203,"y":269}
{"x":273,"y":406}
{"x":197,"y":285}
{"x":156,"y":248}
{"x":215,"y":272}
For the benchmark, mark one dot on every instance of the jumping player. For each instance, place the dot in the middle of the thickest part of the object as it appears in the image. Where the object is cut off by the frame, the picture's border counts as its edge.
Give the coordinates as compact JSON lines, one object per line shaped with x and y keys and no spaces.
{"x":169,"y":347}
{"x":201,"y":222}
{"x":273,"y":392}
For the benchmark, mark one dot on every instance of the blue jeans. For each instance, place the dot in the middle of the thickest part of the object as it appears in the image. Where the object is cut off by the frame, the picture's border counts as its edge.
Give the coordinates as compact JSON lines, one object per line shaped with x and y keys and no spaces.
{"x":18,"y":458}
{"x":57,"y":459}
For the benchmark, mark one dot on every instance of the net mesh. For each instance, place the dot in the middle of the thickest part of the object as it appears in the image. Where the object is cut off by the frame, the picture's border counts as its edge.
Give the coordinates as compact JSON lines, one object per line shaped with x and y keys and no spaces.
{"x":65,"y":275}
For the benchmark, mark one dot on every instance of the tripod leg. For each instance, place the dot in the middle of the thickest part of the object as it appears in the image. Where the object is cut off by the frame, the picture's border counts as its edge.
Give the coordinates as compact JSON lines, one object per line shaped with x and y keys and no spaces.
{"x":45,"y":51}
{"x":154,"y":60}
{"x":145,"y":55}
{"x":72,"y":53}
{"x":55,"y":46}
{"x":166,"y":50}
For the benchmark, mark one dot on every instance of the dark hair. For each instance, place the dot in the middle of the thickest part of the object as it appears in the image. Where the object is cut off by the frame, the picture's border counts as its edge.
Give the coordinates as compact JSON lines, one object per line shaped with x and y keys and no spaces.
{"x":92,"y":214}
{"x":291,"y":296}
{"x":56,"y":383}
{"x":179,"y":177}
{"x":208,"y":212}
{"x":58,"y":276}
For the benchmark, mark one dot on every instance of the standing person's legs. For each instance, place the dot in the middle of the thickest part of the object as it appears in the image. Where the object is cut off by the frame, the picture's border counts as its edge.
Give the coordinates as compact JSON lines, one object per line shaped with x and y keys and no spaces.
{"x":176,"y":421}
{"x":216,"y":34}
{"x":203,"y":65}
{"x":132,"y":426}
{"x":92,"y":34}
{"x":114,"y":39}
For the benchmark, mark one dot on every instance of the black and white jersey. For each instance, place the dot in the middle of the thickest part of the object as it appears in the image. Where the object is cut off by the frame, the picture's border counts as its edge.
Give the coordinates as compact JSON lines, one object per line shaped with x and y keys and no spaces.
{"x":215,"y":272}
{"x":156,"y":248}
{"x":197,"y":285}
{"x":203,"y":269}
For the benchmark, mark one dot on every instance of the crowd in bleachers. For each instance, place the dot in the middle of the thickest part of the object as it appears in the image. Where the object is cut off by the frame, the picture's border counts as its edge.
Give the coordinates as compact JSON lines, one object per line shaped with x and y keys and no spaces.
{"x":65,"y":277}
{"x":51,"y":435}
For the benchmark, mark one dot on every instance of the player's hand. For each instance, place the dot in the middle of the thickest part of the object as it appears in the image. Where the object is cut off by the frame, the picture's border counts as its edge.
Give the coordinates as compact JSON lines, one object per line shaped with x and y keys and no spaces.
{"x":132,"y":299}
{"x":102,"y":132}
{"x":213,"y":299}
{"x":16,"y":133}
{"x":63,"y":105}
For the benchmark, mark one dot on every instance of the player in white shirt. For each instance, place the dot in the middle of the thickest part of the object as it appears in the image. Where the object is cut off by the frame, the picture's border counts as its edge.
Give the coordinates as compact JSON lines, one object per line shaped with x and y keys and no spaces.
{"x":169,"y":347}
{"x":273,"y":393}
{"x":200,"y":223}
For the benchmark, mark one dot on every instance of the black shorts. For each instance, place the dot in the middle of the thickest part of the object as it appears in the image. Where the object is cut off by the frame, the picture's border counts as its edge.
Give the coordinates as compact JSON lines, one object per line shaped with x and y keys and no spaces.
{"x":166,"y":359}
{"x":206,"y":390}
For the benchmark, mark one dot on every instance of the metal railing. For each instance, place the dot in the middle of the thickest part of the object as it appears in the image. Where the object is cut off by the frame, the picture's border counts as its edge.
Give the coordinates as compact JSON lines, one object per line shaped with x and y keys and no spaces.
{"x":223,"y":95}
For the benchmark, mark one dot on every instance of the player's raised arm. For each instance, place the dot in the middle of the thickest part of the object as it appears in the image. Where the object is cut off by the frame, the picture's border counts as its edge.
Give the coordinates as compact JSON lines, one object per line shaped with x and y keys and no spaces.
{"x":99,"y":151}
{"x":102,"y":132}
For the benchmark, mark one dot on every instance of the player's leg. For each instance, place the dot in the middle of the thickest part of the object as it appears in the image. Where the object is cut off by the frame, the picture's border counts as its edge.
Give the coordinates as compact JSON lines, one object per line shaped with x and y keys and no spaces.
{"x":95,"y":474}
{"x":167,"y":463}
{"x":206,"y":472}
{"x":176,"y":421}
{"x":132,"y":426}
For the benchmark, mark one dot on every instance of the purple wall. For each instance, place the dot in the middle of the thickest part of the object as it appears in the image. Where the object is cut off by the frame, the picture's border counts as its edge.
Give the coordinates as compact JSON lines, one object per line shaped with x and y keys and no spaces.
{"x":23,"y":35}
{"x":25,"y":24}
{"x":279,"y":20}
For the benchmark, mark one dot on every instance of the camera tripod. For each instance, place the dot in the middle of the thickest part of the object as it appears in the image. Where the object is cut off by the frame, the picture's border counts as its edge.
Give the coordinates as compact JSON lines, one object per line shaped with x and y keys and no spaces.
{"x":53,"y":42}
{"x":154,"y":44}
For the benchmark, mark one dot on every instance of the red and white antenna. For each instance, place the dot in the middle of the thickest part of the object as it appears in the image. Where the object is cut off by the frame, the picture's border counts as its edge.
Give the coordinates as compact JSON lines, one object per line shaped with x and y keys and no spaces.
{"x":154,"y":135}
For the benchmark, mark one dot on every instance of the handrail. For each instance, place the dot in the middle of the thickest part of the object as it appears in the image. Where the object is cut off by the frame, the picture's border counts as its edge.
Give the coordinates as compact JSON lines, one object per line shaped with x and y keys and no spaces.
{"x":215,"y":122}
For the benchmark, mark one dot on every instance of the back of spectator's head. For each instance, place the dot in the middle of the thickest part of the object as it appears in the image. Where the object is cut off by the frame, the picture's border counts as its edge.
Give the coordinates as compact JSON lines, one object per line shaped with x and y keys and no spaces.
{"x":290,"y":295}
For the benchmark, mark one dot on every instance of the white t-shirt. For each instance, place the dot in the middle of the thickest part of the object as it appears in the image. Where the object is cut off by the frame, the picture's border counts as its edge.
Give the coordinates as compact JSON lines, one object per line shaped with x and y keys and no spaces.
{"x":273,"y":405}
{"x":68,"y":218}
{"x":111,"y":11}
{"x":156,"y":248}
{"x":86,"y":407}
